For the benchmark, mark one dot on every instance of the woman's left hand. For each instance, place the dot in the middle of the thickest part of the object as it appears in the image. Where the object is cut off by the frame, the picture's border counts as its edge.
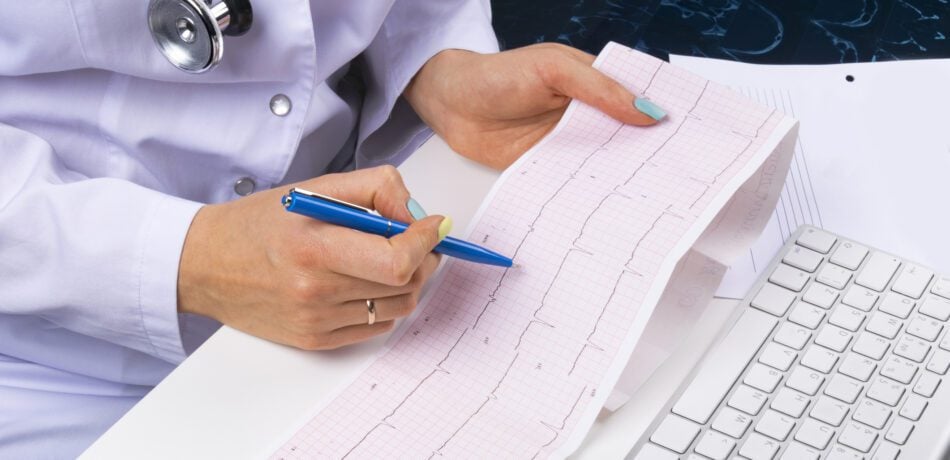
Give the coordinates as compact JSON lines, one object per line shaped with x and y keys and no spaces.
{"x":493,"y":107}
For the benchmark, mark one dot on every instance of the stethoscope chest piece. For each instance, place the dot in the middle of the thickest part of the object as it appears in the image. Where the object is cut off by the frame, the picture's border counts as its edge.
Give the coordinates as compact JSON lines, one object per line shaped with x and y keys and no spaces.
{"x":190,"y":33}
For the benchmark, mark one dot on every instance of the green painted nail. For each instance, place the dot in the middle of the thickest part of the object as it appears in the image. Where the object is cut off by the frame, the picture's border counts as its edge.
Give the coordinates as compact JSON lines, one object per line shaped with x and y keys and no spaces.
{"x":650,"y":109}
{"x":415,"y":209}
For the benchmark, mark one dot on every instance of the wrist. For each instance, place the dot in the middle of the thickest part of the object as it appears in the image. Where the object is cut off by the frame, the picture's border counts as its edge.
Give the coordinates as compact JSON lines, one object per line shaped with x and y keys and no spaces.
{"x":192,"y":272}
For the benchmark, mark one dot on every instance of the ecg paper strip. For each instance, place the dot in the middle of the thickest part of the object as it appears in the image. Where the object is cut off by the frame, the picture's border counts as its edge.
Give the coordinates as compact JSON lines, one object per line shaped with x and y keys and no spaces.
{"x":518,"y":362}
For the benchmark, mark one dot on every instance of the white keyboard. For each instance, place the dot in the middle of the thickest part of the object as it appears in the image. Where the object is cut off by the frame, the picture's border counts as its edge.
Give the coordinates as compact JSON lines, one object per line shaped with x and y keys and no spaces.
{"x":839,"y":352}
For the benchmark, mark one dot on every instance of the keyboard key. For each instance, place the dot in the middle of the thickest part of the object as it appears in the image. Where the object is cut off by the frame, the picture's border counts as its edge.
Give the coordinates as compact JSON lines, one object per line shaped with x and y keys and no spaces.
{"x":789,"y":277}
{"x":803,"y":258}
{"x":900,"y":431}
{"x":886,"y":451}
{"x":814,"y":433}
{"x":899,"y":369}
{"x":724,"y":365}
{"x":857,"y":366}
{"x":871,"y":345}
{"x":860,"y":297}
{"x":941,"y":287}
{"x":805,"y":380}
{"x":796,"y":336}
{"x":817,"y":240}
{"x":936,"y":307}
{"x":927,"y":384}
{"x":939,"y":362}
{"x":840,"y":452}
{"x":833,"y":275}
{"x":945,"y":343}
{"x":773,"y":299}
{"x":897,"y":305}
{"x":675,"y":433}
{"x":829,"y":410}
{"x":748,"y":400}
{"x":655,"y":452}
{"x":820,"y":295}
{"x":844,"y":388}
{"x":872,"y":413}
{"x":833,"y":337}
{"x":912,"y":348}
{"x":758,"y":447}
{"x":775,"y":425}
{"x":731,"y":422}
{"x":790,"y":402}
{"x":884,"y":325}
{"x":912,"y":281}
{"x":715,"y":445}
{"x":778,"y":356}
{"x":796,"y":451}
{"x":806,"y":315}
{"x":847,"y":317}
{"x":913,"y":407}
{"x":886,"y":391}
{"x":924,"y":327}
{"x":878,"y":271}
{"x":849,"y":255}
{"x":858,"y":436}
{"x":762,"y":377}
{"x":820,"y":359}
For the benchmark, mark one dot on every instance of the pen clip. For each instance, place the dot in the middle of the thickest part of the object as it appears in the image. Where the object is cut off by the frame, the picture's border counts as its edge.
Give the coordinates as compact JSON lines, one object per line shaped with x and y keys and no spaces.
{"x":330,"y":199}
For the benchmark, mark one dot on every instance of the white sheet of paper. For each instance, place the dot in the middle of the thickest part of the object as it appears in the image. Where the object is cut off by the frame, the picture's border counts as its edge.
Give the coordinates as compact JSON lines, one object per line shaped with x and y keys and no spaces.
{"x":873,"y":158}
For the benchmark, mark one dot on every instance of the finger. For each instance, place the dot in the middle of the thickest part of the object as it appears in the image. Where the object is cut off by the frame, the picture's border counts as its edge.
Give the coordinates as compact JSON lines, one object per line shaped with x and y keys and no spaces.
{"x":578,"y":80}
{"x":388,"y":308}
{"x":380,"y":188}
{"x":353,"y":334}
{"x":390,"y":261}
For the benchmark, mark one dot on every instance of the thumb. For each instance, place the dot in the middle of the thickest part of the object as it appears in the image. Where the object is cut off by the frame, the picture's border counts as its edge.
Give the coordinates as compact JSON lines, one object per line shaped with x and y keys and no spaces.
{"x":410,"y":247}
{"x":578,"y":80}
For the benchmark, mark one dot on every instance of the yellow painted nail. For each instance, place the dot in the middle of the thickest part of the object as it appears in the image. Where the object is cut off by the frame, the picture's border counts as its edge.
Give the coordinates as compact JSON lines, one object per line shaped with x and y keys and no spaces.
{"x":445,"y":227}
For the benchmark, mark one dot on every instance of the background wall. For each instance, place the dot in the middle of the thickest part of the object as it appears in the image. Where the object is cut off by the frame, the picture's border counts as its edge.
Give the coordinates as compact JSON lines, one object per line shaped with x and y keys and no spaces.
{"x":763,"y":31}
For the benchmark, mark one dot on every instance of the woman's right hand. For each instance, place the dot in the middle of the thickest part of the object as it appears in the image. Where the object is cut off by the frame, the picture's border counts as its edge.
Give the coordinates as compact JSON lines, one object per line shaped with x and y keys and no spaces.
{"x":301,"y":282}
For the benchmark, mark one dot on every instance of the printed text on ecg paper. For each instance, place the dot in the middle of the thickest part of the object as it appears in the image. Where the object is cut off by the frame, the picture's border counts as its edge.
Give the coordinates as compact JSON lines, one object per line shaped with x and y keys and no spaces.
{"x":509,"y":363}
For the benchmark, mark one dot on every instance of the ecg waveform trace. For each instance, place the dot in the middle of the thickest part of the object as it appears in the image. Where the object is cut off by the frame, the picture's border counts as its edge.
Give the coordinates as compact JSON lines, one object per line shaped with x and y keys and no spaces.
{"x":505,"y":362}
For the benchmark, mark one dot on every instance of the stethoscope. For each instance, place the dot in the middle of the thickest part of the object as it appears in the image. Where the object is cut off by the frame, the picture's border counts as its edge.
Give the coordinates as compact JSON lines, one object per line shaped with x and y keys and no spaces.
{"x":190,"y":33}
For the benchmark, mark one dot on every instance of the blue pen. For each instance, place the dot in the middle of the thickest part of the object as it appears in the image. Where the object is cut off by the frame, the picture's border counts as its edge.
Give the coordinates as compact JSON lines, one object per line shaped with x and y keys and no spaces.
{"x":338,"y":212}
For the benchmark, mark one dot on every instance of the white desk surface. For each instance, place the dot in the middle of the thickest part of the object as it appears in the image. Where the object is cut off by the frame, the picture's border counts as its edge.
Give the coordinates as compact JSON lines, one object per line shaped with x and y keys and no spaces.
{"x":237,"y":394}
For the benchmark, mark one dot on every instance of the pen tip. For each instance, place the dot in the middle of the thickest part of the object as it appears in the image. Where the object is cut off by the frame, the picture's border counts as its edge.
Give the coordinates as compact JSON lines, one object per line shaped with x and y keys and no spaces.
{"x":516,"y":266}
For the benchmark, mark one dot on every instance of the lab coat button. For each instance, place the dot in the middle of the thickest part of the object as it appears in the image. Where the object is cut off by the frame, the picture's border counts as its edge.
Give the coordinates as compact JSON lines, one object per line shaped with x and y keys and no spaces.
{"x":244,"y":186}
{"x":280,"y":105}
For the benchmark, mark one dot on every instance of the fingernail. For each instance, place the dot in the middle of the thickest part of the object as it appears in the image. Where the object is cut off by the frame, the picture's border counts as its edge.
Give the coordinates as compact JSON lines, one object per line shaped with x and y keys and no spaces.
{"x":445,"y":227}
{"x":415,"y":209}
{"x":649,"y":109}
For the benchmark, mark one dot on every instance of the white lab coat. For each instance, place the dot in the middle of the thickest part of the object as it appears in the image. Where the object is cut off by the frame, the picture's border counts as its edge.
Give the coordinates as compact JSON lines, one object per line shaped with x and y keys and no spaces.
{"x":107,"y":151}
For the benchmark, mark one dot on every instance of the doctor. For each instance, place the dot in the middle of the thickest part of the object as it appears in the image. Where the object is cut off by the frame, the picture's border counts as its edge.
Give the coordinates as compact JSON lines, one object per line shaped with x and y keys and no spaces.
{"x":139,"y":204}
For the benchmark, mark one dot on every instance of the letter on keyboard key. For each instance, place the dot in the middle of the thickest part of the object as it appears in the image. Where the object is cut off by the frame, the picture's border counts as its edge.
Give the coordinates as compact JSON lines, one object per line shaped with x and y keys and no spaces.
{"x":654,"y":452}
{"x":833,"y":276}
{"x":731,"y":422}
{"x":762,"y":377}
{"x":900,"y":431}
{"x":778,"y":356}
{"x":820,"y":359}
{"x":858,"y":437}
{"x":817,"y":240}
{"x":886,"y":391}
{"x":912,"y":348}
{"x":758,"y":447}
{"x":773,"y":299}
{"x":912,"y":281}
{"x":675,"y":433}
{"x":814,"y":433}
{"x":820,"y":295}
{"x":899,"y":369}
{"x":878,"y":271}
{"x":802,"y":258}
{"x":913,"y":407}
{"x":806,"y":315}
{"x":722,"y":367}
{"x":805,"y":380}
{"x":775,"y":425}
{"x":939,"y":362}
{"x":897,"y":305}
{"x":857,"y":366}
{"x":872,"y":413}
{"x":847,"y":317}
{"x":849,"y":255}
{"x":924,"y":327}
{"x":829,"y":410}
{"x":790,"y":402}
{"x":860,"y":298}
{"x":789,"y":277}
{"x":748,"y":399}
{"x":942,"y":287}
{"x":871,"y":345}
{"x":796,"y":451}
{"x":833,"y":337}
{"x":796,"y":336}
{"x":844,"y":388}
{"x":715,"y":445}
{"x":884,"y":325}
{"x":886,"y":451}
{"x":936,"y":307}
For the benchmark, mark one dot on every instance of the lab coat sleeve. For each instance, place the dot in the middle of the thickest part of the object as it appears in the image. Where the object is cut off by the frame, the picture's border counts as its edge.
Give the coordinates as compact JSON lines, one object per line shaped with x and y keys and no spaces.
{"x":413,"y":32}
{"x":96,"y":256}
